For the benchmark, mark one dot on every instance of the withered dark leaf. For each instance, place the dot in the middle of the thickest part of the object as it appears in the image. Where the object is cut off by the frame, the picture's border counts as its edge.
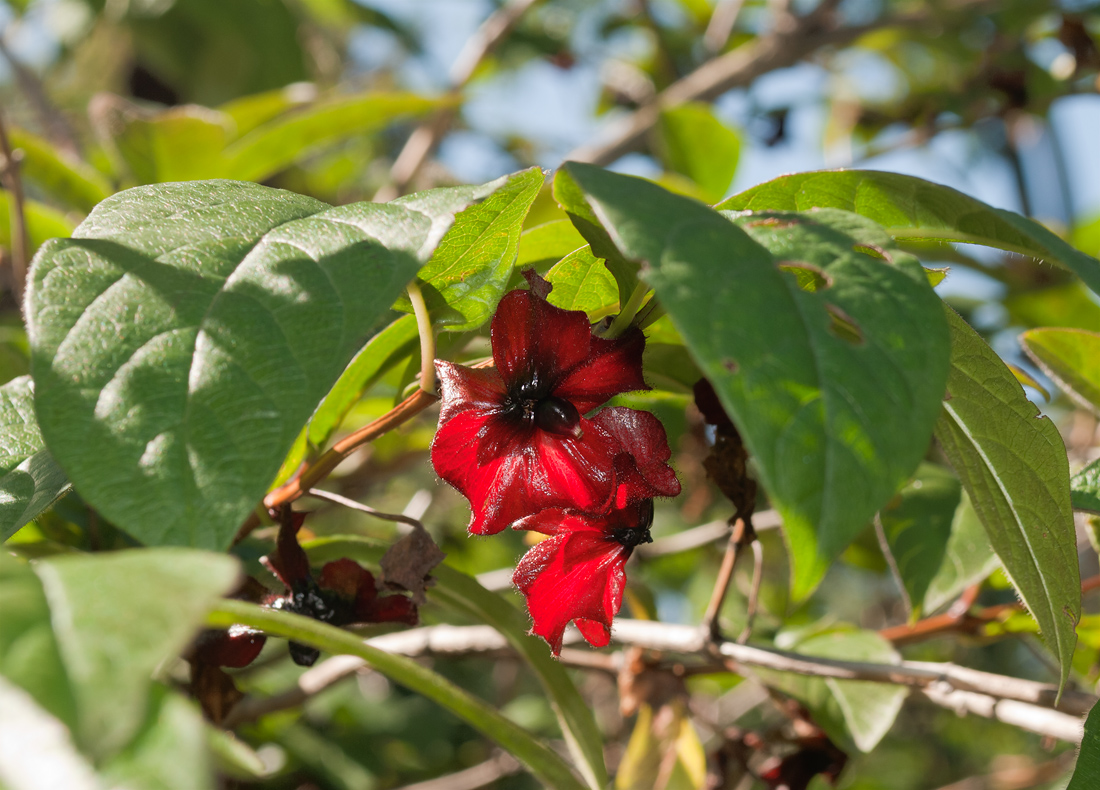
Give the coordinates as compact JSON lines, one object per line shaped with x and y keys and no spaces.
{"x":408,"y":563}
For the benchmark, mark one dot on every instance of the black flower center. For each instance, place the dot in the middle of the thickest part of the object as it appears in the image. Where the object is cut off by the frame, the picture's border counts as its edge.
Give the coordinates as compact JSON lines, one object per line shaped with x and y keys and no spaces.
{"x":531,"y":403}
{"x":631,"y":536}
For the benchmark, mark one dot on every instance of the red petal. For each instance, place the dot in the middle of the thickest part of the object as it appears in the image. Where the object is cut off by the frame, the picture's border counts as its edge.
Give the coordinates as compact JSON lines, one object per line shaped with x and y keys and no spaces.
{"x":468,"y":388}
{"x":237,"y":647}
{"x":612,"y":367}
{"x":530,"y":336}
{"x":389,"y":609}
{"x":641,"y":468}
{"x":522,"y":477}
{"x":596,"y":634}
{"x":574,"y":575}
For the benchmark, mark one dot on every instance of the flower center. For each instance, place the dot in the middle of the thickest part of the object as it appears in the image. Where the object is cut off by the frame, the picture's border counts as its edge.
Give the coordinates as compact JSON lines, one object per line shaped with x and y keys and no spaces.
{"x":558,"y":416}
{"x":639,"y":534}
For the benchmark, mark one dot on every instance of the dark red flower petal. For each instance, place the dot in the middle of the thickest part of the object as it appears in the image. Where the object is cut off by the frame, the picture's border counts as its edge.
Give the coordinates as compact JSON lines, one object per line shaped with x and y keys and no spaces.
{"x":468,"y":388}
{"x":236,"y":647}
{"x":388,"y":609}
{"x":531,"y":335}
{"x":546,"y":470}
{"x":642,"y":470}
{"x":612,"y":368}
{"x":346,"y":578}
{"x":578,"y":573}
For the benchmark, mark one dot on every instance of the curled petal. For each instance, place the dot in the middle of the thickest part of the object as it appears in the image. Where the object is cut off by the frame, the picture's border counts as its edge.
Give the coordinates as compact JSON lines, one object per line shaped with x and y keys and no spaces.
{"x":532,"y":338}
{"x":520,"y":478}
{"x":642,"y":470}
{"x":388,"y":609}
{"x":574,"y":575}
{"x":612,"y":368}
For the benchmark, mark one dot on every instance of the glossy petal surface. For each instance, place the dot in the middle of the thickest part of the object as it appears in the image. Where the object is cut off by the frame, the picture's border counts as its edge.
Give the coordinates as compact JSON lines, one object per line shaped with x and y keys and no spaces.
{"x":642,"y":470}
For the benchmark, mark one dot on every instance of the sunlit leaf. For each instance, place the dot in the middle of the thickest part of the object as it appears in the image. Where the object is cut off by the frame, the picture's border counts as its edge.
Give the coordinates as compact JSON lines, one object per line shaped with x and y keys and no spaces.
{"x":698,"y":145}
{"x":967,"y":559}
{"x":1013,"y":464}
{"x":1071,"y":358}
{"x":1086,"y":775}
{"x":914,"y":209}
{"x":184,"y":336}
{"x":582,"y":282}
{"x":836,"y":420}
{"x":62,"y":176}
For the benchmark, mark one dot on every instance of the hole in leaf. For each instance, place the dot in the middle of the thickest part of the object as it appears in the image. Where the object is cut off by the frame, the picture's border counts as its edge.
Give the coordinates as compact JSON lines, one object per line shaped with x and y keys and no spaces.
{"x":874,"y":251}
{"x":844,"y":326}
{"x":810,"y":278}
{"x":731,"y":365}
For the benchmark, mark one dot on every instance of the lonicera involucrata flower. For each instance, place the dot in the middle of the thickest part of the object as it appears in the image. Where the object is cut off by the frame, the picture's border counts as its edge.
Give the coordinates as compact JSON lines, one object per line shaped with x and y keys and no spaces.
{"x":515,"y":440}
{"x":579,"y":572}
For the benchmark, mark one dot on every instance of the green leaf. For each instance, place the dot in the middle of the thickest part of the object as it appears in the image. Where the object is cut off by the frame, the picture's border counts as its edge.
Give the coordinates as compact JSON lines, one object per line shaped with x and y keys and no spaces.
{"x":376,"y":358}
{"x":913,"y":209}
{"x":470,"y":269}
{"x":836,"y":422}
{"x":1013,"y":464}
{"x":1086,"y":775}
{"x":30,"y":480}
{"x":698,"y":145}
{"x":968,"y":558}
{"x":168,"y":753}
{"x":571,"y":197}
{"x":859,"y":710}
{"x":29,"y":655}
{"x":465,"y":594}
{"x":1071,"y":358}
{"x":546,"y":244}
{"x":582,"y":282}
{"x":249,"y":112}
{"x":182,"y":339}
{"x":178,"y":144}
{"x":116,"y":618}
{"x":547,"y":767}
{"x":1063,"y":305}
{"x":62,"y":176}
{"x":274,"y":146}
{"x":1085,"y":488}
{"x":917,"y":525}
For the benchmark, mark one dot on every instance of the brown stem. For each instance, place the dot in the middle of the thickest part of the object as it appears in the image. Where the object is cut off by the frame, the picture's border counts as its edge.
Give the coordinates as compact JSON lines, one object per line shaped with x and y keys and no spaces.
{"x":741,"y":535}
{"x":20,"y":243}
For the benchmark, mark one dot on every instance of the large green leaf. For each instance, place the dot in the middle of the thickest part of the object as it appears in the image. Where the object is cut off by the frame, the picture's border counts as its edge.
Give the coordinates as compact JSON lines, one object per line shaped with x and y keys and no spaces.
{"x":914,"y":209}
{"x":458,"y":591}
{"x":1071,"y":357}
{"x":470,"y":269}
{"x":1013,"y":464}
{"x":546,"y":244}
{"x":116,"y":617}
{"x":696,"y":144}
{"x":967,"y":559}
{"x":30,"y":480}
{"x":582,"y":282}
{"x":835,"y":390}
{"x":184,"y":336}
{"x":1086,"y":775}
{"x":917,"y":526}
{"x":550,"y":769}
{"x":859,"y":710}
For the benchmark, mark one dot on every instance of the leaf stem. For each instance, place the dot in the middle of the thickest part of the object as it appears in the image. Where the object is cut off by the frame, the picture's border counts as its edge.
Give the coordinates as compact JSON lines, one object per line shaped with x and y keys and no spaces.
{"x":427,"y":338}
{"x":550,"y":769}
{"x":626,"y":315}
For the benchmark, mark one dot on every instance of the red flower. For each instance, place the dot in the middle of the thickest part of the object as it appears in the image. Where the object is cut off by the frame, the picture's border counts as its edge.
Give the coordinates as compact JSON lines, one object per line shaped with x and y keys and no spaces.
{"x":578,"y":573}
{"x":514,"y":440}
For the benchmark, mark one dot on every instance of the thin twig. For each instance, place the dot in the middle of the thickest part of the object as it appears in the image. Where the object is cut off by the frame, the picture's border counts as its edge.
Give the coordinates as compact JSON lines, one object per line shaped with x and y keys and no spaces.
{"x":424,"y":139}
{"x":949,"y":685}
{"x":725,"y":576}
{"x":721,"y":24}
{"x":703,"y":535}
{"x":20,"y":242}
{"x":503,"y":764}
{"x":892,"y":563}
{"x":351,"y":503}
{"x":754,"y":591}
{"x":738,"y":68}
